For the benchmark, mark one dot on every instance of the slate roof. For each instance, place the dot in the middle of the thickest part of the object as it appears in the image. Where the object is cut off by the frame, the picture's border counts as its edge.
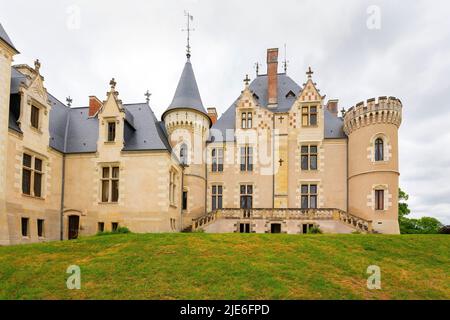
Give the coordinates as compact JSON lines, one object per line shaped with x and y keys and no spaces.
{"x":4,"y":36}
{"x":187,"y":94}
{"x":288,"y":90}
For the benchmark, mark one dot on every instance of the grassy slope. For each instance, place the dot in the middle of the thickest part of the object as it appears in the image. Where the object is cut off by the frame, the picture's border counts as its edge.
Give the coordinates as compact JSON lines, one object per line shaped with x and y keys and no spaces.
{"x":203,"y":266}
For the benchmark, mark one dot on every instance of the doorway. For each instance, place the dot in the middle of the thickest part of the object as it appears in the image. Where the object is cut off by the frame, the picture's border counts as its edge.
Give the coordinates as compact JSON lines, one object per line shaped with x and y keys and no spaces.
{"x":74,"y":225}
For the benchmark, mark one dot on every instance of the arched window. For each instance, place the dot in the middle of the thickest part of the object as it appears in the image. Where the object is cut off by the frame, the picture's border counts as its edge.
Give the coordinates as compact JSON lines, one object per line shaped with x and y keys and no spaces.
{"x":183,"y":154}
{"x":379,"y":149}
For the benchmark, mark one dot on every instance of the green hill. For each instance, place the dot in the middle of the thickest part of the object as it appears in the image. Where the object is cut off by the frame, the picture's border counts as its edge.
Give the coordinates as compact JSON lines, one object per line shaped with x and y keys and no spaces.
{"x":230,"y":266}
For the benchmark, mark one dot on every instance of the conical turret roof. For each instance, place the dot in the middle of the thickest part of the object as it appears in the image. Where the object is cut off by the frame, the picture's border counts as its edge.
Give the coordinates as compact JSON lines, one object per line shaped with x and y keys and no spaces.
{"x":187,"y":95}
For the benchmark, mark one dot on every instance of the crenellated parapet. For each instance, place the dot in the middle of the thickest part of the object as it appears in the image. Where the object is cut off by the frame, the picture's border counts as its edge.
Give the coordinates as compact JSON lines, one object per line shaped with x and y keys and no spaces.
{"x":373,"y":111}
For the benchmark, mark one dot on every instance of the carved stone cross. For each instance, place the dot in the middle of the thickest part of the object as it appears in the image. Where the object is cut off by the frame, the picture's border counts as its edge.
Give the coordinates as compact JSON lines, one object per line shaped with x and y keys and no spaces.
{"x":246,"y":80}
{"x":281,"y":162}
{"x":281,"y":118}
{"x":309,"y":73}
{"x":113,"y":84}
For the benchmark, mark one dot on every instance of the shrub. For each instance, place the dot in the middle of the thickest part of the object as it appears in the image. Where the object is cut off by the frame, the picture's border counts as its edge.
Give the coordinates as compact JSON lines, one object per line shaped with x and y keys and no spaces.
{"x":315,"y":230}
{"x":120,"y":230}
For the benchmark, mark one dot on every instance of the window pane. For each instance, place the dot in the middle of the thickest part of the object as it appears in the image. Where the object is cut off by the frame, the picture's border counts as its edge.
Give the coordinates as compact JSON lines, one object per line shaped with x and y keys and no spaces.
{"x":249,"y":189}
{"x":38,"y":164}
{"x":313,"y":109}
{"x":214,"y":190}
{"x":40,"y":227}
{"x":26,"y":181}
{"x":214,"y":165}
{"x":242,"y":189}
{"x":313,"y":160}
{"x":313,"y":120}
{"x":304,"y":202}
{"x":115,"y":191}
{"x":220,"y":168}
{"x":115,"y":172}
{"x":305,"y":149}
{"x":313,"y":189}
{"x":304,"y":189}
{"x":25,"y":227}
{"x":213,"y":203}
{"x":35,"y":117}
{"x":111,"y":131}
{"x":313,"y":202}
{"x":305,"y":110}
{"x":105,"y":191}
{"x":305,"y":120}
{"x":106,"y":172}
{"x":313,"y":149}
{"x":219,"y":189}
{"x":37,"y":184}
{"x":219,"y":202}
{"x":213,"y":153}
{"x":27,"y":160}
{"x":304,"y":162}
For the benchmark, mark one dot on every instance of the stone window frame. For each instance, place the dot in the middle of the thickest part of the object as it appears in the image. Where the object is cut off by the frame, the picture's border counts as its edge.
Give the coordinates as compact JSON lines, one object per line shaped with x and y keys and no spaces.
{"x":246,"y":159}
{"x":216,"y":195}
{"x":110,"y":179}
{"x":387,"y":201}
{"x":217,"y":159}
{"x":111,"y":135}
{"x":33,"y":172}
{"x":246,"y":120}
{"x":42,"y":111}
{"x":386,"y":148}
{"x":308,"y":115}
{"x":309,"y":194}
{"x":309,"y":155}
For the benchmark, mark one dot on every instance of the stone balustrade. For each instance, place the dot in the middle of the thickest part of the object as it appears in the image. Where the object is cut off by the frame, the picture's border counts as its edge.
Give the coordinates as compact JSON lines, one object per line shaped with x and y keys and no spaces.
{"x":284,"y":214}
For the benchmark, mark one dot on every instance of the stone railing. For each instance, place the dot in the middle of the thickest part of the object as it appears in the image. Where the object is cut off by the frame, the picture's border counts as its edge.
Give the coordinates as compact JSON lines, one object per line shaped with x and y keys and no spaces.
{"x":284,"y":214}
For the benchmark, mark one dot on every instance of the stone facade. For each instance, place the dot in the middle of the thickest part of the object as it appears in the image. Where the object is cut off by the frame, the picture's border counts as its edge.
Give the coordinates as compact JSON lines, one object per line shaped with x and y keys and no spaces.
{"x":280,"y":159}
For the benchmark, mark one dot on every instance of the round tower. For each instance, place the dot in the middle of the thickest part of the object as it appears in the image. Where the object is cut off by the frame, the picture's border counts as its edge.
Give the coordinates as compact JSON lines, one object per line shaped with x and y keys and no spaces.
{"x":373,"y":168}
{"x":187,"y":124}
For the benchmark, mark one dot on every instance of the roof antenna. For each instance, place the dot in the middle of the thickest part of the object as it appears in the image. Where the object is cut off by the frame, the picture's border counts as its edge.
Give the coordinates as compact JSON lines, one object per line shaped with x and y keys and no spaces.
{"x":285,"y":62}
{"x":188,"y":30}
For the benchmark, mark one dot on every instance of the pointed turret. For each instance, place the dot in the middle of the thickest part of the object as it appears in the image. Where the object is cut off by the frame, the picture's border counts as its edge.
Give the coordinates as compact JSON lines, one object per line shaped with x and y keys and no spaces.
{"x":187,"y":95}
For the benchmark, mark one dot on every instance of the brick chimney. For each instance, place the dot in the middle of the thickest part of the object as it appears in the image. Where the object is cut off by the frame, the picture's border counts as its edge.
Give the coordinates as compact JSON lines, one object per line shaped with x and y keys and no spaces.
{"x":332,"y":106}
{"x":94,"y":105}
{"x":212,"y":113}
{"x":272,"y":74}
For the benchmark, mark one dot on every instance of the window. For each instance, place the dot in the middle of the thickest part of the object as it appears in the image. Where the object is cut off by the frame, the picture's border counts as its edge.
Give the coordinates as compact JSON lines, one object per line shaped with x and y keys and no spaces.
{"x":25,"y":227}
{"x":249,"y":120}
{"x":183,"y":154}
{"x":246,"y":196}
{"x":379,"y":199}
{"x":110,"y":184}
{"x":217,"y":197}
{"x":35,"y":117}
{"x":309,"y":157}
{"x":275,"y":228}
{"x":246,"y":159}
{"x":244,"y":228}
{"x":40,"y":228}
{"x":309,"y":196}
{"x":111,"y":131}
{"x":309,"y":116}
{"x":101,"y":227}
{"x":306,"y":227}
{"x":244,"y":121}
{"x":217,"y":160}
{"x":172,"y":187}
{"x":185,"y":200}
{"x":114,"y":226}
{"x":379,"y":150}
{"x":32,"y":176}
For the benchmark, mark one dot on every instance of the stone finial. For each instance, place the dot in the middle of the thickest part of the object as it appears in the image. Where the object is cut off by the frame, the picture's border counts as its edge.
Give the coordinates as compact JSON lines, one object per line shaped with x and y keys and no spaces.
{"x":113,"y":84}
{"x":69,"y":101}
{"x":37,"y":65}
{"x":309,"y":73}
{"x":147,"y":96}
{"x":247,"y":80}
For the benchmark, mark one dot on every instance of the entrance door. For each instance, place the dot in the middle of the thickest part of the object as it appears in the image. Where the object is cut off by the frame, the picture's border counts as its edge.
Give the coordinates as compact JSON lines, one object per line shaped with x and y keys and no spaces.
{"x":74,"y":225}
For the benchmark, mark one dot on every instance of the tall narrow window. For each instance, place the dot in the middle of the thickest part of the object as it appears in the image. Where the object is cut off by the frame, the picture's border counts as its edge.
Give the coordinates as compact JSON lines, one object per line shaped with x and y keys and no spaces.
{"x":246,"y":196}
{"x":244,"y":121}
{"x":114,"y":226}
{"x":32,"y":172}
{"x":184,"y":154}
{"x":25,"y":227}
{"x":172,"y":187}
{"x":110,"y":184}
{"x":185,"y":200}
{"x":309,"y":116}
{"x":246,"y":159}
{"x":217,"y":159}
{"x":249,"y":120}
{"x":101,"y":227}
{"x":379,"y":199}
{"x":217,"y":197}
{"x":379,"y":150}
{"x":40,"y":228}
{"x":35,"y":117}
{"x":309,"y":196}
{"x":309,"y":157}
{"x":111,"y":131}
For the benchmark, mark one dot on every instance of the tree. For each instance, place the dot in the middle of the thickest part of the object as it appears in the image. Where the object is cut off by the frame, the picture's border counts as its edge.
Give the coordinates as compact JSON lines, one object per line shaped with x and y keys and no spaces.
{"x":424,"y":225}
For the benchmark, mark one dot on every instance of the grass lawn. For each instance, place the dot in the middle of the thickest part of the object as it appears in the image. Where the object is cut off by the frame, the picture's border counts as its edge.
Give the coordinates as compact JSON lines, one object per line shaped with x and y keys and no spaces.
{"x":230,"y":266}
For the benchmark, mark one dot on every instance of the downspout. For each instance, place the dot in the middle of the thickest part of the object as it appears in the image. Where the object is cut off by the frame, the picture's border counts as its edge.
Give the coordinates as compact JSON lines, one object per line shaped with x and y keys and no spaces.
{"x":63,"y":178}
{"x":182,"y":197}
{"x":348,"y":199}
{"x":273,"y":162}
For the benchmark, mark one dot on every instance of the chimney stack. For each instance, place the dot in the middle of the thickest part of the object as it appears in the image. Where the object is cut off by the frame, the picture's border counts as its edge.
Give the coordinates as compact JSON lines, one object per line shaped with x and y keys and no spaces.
{"x":272,"y":75}
{"x":332,"y":106}
{"x":212,"y":113}
{"x":94,"y":105}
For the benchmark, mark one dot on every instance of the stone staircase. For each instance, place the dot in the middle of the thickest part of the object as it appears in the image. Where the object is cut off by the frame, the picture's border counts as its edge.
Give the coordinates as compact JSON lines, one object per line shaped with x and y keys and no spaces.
{"x":356,"y":223}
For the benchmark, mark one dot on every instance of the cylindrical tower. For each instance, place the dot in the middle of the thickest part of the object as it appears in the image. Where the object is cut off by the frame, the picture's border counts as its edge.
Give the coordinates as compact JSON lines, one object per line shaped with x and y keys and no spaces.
{"x":187,"y":124}
{"x":373,"y":167}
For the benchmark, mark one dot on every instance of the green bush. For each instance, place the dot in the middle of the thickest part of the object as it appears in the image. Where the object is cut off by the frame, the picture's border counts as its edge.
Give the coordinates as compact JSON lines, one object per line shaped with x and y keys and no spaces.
{"x":315,"y":230}
{"x":120,"y":230}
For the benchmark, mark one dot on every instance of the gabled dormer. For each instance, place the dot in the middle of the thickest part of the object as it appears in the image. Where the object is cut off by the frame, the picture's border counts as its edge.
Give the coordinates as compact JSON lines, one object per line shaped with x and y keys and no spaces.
{"x":246,"y":108}
{"x":111,"y":116}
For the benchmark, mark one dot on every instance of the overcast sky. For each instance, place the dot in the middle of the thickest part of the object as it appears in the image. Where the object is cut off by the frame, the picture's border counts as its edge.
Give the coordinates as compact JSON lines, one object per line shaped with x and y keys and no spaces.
{"x":355,"y":56}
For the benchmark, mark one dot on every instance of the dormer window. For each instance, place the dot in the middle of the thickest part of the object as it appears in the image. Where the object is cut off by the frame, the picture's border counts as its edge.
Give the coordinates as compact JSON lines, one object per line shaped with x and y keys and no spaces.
{"x":35,"y":117}
{"x":309,"y":116}
{"x":247,"y":120}
{"x":111,"y":131}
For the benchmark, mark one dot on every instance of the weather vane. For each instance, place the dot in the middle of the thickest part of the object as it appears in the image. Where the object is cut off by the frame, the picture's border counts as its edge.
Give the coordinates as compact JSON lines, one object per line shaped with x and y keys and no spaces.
{"x":257,"y":68}
{"x":188,"y":30}
{"x":69,"y":101}
{"x":285,"y":62}
{"x":147,"y":96}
